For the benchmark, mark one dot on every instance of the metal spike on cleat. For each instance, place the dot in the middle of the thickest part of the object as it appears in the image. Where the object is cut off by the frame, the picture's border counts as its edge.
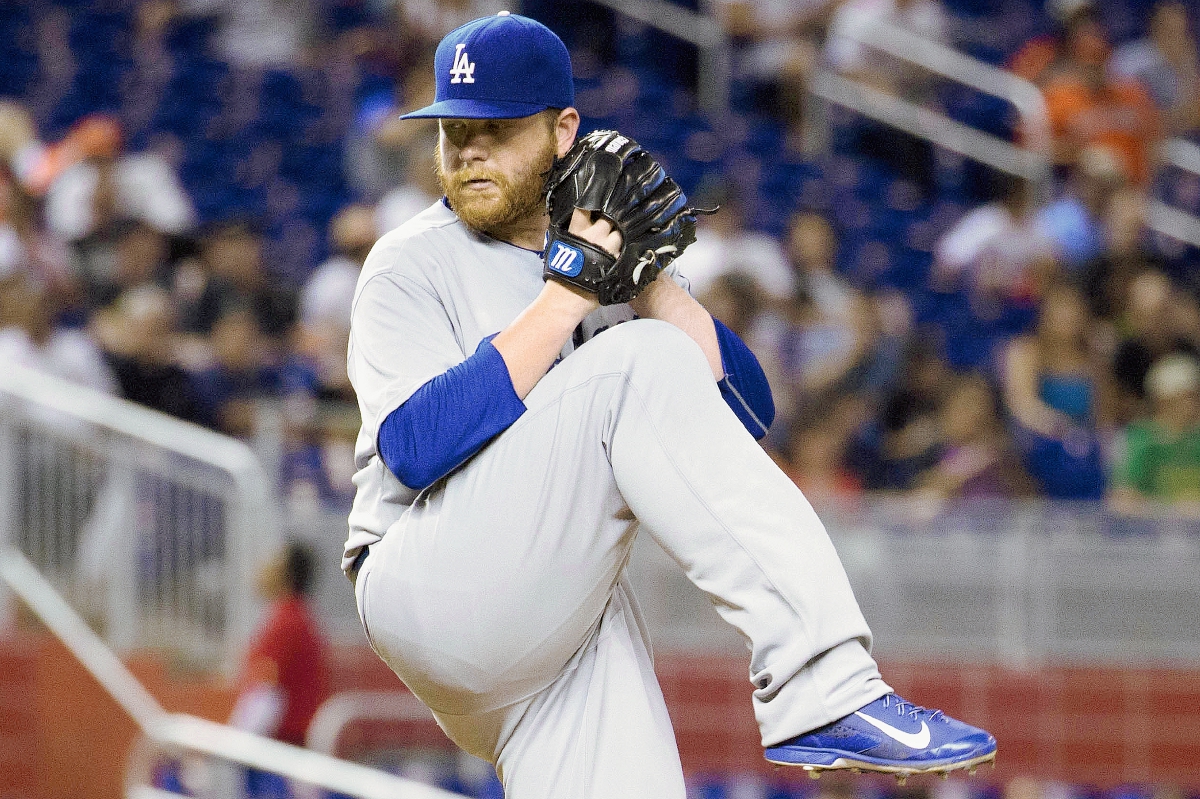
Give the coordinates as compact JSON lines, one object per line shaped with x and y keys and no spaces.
{"x":971,"y":771}
{"x":901,"y":779}
{"x":945,"y":775}
{"x":814,"y":773}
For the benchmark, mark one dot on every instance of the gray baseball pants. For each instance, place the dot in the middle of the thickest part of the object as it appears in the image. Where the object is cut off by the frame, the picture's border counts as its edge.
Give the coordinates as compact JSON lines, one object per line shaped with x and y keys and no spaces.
{"x":499,"y":597}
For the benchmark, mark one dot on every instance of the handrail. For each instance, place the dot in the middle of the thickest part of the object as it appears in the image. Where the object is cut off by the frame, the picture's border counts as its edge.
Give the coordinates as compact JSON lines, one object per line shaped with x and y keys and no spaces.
{"x":1167,"y":219}
{"x":195,"y":734}
{"x":936,"y":127}
{"x":37,"y":593}
{"x":936,"y":57}
{"x":1031,"y":162}
{"x":136,"y":421}
{"x":345,"y":707}
{"x":256,"y":508}
{"x":1183,"y":154}
{"x":699,"y":29}
{"x":191,"y":733}
{"x":1173,"y":222}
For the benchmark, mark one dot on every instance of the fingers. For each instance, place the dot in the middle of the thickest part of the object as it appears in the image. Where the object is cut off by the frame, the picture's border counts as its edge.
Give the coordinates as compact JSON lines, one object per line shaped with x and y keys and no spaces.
{"x":599,"y":231}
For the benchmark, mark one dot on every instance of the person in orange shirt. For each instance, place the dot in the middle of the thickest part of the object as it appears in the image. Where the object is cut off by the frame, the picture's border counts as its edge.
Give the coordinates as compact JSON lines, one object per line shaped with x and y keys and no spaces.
{"x":1041,"y":58}
{"x":1087,"y":107}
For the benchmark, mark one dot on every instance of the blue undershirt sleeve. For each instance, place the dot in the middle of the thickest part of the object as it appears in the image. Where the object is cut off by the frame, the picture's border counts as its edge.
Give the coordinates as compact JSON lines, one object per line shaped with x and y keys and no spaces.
{"x":744,"y":387}
{"x":450,"y":418}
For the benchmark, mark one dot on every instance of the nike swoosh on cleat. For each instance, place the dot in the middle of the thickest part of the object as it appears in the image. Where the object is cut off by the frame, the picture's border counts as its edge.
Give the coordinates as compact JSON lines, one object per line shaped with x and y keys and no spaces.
{"x":913,"y":740}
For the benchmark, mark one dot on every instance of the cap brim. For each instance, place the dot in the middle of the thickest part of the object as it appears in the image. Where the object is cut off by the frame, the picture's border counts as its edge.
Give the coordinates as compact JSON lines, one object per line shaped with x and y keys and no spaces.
{"x":475,"y":109}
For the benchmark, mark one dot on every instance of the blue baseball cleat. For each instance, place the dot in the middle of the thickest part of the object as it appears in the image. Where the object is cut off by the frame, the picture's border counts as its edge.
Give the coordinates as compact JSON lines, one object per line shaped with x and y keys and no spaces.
{"x":892,"y":736}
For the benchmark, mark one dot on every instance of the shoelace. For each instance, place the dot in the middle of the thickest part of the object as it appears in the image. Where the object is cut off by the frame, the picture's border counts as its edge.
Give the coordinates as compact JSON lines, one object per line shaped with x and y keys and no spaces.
{"x":914,"y":710}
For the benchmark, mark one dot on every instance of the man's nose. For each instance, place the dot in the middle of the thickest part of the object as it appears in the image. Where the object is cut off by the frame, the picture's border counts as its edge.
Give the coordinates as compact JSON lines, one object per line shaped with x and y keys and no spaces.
{"x":475,"y":147}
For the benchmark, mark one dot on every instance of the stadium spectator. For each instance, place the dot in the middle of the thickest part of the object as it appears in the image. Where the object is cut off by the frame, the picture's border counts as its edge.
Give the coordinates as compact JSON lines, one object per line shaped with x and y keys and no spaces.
{"x":1040,"y":59}
{"x":737,"y":300}
{"x":818,"y":350}
{"x":135,"y":254}
{"x":416,"y":192}
{"x":1080,"y":223}
{"x":318,"y":398}
{"x":995,"y":252}
{"x":776,"y":48}
{"x":1057,"y":391}
{"x":1159,"y":458}
{"x":326,"y":296}
{"x":35,"y":164}
{"x":383,"y":151}
{"x":285,"y":675}
{"x":259,"y":33}
{"x":1166,"y":64}
{"x":1088,"y":107}
{"x":725,"y":244}
{"x":815,"y":460}
{"x":30,"y":337}
{"x":27,"y":248}
{"x":846,"y":54}
{"x":977,"y":459}
{"x":909,"y":156}
{"x":242,"y":373}
{"x":232,"y":273}
{"x":812,"y":252}
{"x":901,"y":439}
{"x":1149,"y":330}
{"x":108,"y":186}
{"x":137,"y":334}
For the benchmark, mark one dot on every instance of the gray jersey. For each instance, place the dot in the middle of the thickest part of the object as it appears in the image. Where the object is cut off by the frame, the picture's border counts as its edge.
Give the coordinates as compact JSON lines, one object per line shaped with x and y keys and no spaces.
{"x":429,"y":293}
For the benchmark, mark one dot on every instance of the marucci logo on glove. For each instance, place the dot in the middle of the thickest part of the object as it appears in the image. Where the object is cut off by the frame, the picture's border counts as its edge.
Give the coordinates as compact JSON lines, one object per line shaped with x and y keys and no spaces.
{"x":564,"y":259}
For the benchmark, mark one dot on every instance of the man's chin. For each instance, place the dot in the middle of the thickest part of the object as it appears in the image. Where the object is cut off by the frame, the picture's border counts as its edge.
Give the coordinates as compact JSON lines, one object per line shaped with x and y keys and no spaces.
{"x":484,"y":217}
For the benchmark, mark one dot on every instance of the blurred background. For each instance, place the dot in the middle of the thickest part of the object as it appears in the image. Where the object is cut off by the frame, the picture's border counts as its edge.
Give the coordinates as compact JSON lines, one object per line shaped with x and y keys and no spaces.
{"x":962,"y":236}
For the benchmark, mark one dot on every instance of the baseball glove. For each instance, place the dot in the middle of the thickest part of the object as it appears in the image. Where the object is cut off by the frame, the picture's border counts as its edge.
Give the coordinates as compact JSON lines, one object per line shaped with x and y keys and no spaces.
{"x":610,"y":174}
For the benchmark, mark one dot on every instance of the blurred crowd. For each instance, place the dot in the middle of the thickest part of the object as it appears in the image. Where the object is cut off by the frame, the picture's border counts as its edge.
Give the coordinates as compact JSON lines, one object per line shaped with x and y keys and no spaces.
{"x":187,"y":196}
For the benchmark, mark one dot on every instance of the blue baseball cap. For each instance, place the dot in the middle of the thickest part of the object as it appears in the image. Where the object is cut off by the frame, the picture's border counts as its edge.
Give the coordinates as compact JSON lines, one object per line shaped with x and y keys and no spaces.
{"x":500,"y":67}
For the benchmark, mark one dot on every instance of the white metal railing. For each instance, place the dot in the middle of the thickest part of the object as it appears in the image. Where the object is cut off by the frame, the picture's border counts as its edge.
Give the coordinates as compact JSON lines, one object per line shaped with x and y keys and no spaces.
{"x":1011,"y":582}
{"x":935,"y":127}
{"x":345,"y":708}
{"x":1033,"y":161}
{"x":699,"y":29}
{"x":154,"y":525}
{"x":176,"y":734}
{"x":1167,"y":219}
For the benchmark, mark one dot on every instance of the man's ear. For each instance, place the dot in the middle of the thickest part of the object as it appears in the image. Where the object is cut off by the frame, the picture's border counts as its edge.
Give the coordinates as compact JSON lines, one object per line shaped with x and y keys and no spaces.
{"x":565,"y":129}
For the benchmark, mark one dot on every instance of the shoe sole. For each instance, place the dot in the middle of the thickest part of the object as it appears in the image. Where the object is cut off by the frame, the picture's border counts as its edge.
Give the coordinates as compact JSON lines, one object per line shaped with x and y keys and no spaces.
{"x":901,"y":773}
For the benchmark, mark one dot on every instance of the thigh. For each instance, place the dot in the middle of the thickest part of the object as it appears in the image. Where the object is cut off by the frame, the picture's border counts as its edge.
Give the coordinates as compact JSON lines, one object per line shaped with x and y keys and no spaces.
{"x":492,"y":580}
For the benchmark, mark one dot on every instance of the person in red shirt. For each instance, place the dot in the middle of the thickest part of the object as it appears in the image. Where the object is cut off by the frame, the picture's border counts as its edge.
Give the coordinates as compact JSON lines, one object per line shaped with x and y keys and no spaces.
{"x":285,"y":676}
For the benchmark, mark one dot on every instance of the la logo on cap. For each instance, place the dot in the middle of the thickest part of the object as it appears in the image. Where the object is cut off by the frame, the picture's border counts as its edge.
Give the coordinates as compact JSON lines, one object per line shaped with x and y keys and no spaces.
{"x":463,"y":70}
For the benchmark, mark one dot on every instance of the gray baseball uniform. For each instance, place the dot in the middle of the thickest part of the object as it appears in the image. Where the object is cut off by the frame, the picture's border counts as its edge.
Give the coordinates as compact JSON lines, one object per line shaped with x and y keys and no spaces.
{"x":497,"y":594}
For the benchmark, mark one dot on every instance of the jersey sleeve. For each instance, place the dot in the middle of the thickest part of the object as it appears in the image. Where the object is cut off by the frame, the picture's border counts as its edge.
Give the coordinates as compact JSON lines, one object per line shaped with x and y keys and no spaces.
{"x":450,"y":418}
{"x":744,"y":387}
{"x":400,"y":338}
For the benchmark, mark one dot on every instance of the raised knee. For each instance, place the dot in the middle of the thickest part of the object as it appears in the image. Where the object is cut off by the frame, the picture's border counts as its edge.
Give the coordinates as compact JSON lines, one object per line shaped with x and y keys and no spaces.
{"x":643,"y":335}
{"x":652,"y":341}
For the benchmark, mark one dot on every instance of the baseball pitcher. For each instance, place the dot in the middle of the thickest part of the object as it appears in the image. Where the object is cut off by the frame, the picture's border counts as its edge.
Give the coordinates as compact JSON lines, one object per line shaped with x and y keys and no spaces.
{"x":537,"y":386}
